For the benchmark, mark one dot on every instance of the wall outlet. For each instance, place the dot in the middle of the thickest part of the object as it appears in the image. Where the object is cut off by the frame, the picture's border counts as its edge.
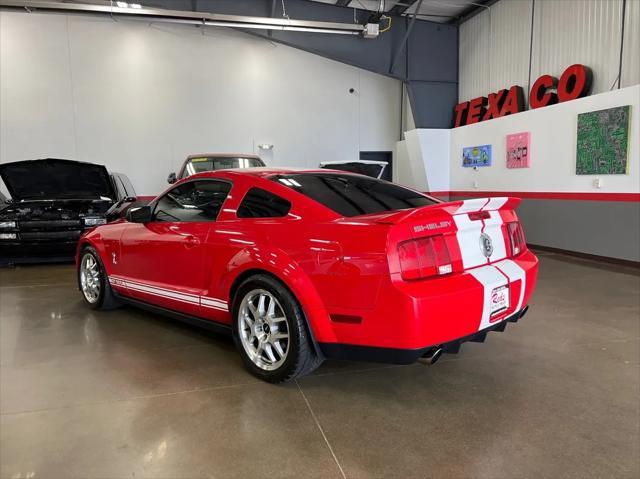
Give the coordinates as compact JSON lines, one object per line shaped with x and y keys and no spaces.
{"x":597,"y":183}
{"x":475,"y":184}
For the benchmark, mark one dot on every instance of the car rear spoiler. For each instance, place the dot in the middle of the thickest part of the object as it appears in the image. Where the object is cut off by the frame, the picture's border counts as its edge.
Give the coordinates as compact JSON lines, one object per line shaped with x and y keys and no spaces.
{"x":451,"y":208}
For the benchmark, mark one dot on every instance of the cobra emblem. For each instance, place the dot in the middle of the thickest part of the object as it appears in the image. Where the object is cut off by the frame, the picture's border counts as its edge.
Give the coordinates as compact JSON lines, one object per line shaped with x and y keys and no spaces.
{"x":486,"y":245}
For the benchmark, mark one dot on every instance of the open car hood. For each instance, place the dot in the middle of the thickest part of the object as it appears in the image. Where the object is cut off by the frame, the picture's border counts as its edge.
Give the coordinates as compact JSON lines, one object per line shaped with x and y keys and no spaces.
{"x":52,"y":179}
{"x":374,"y":169}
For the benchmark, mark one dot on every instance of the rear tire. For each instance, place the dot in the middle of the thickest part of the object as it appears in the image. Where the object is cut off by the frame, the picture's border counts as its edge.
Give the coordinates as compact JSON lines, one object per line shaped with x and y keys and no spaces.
{"x":270,"y":331}
{"x":93,"y":281}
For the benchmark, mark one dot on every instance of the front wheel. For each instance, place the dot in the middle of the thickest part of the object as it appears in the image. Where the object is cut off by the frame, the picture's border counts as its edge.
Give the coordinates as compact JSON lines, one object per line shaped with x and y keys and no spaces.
{"x":93,"y":281}
{"x":270,"y":332}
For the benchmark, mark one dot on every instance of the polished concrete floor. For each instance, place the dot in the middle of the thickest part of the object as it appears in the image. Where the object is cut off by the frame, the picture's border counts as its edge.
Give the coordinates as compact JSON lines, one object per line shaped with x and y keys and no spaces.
{"x":126,"y":394}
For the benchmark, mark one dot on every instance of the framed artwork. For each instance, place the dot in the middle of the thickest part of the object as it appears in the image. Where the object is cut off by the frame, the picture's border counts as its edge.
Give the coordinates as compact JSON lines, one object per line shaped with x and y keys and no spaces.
{"x":603,"y":141}
{"x":519,"y":150}
{"x":476,"y":156}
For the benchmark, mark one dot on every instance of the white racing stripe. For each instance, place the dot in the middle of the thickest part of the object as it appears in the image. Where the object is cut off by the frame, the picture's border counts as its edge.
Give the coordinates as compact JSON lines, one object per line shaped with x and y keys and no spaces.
{"x":162,"y":290}
{"x":469,"y":231}
{"x":493,"y":228}
{"x":173,"y":295}
{"x":469,"y":206}
{"x":495,"y":203}
{"x":493,"y":276}
{"x":213,"y":303}
{"x":163,"y":293}
{"x":468,"y":236}
{"x":490,"y":278}
{"x":143,"y":289}
{"x":515,"y":273}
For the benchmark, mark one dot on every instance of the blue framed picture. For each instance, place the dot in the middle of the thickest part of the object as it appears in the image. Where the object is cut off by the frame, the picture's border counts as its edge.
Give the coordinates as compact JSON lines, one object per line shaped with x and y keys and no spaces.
{"x":476,"y":156}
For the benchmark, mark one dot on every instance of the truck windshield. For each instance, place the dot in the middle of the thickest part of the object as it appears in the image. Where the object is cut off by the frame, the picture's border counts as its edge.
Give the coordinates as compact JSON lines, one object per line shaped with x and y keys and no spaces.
{"x":198,"y":165}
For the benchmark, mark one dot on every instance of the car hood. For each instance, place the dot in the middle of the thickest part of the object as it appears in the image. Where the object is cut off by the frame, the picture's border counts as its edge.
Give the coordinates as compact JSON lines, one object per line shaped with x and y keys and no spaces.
{"x":374,"y":169}
{"x":51,"y":179}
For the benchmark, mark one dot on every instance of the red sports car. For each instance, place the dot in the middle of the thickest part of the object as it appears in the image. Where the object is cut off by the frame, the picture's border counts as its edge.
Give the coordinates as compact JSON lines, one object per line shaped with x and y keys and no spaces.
{"x":306,"y":265}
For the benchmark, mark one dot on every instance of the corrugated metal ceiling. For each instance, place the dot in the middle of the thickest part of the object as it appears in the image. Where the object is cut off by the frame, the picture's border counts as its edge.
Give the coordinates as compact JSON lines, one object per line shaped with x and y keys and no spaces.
{"x":442,"y":11}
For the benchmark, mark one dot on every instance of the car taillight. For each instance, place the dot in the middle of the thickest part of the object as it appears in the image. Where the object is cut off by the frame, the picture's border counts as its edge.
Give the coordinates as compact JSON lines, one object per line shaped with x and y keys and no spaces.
{"x":516,"y":237}
{"x":424,"y":257}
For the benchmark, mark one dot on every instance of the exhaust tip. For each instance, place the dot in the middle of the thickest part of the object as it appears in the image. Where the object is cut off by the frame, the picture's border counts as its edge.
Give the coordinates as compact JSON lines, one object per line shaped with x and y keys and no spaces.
{"x":431,"y":357}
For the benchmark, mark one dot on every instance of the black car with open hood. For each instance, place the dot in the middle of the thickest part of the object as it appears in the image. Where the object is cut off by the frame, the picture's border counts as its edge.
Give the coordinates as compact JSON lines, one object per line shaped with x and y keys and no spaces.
{"x":52,"y":201}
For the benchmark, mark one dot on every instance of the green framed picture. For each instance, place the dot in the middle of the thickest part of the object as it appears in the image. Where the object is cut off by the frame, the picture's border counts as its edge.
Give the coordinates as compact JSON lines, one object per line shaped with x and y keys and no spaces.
{"x":603,"y":141}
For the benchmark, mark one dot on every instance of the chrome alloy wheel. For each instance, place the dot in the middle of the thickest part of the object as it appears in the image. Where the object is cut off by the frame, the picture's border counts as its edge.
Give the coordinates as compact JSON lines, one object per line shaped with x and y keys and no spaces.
{"x":263,"y":329}
{"x":90,"y":278}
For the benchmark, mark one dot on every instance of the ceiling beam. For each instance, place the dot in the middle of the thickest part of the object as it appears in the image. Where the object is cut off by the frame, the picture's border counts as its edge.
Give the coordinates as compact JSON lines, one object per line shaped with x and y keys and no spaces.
{"x":185,"y":17}
{"x":471,"y":12}
{"x":401,"y":7}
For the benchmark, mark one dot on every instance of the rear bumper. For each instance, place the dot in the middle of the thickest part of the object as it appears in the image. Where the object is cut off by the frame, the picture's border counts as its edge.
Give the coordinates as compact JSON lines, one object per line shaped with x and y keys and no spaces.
{"x":351,"y":352}
{"x":410,"y":315}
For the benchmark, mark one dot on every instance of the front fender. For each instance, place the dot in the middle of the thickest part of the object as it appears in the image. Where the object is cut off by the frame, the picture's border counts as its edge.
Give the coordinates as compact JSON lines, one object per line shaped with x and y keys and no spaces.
{"x":105,"y":239}
{"x":277,"y":263}
{"x":89,"y":238}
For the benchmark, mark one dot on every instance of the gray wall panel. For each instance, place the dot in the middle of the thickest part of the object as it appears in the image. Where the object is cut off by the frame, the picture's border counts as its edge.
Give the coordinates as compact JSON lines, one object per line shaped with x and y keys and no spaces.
{"x":430,"y":103}
{"x":428,"y":60}
{"x":603,"y":228}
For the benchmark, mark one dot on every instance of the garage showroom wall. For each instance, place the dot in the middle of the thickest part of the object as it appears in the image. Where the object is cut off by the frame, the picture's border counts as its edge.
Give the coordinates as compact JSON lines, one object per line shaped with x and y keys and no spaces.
{"x":559,"y":207}
{"x":139,"y":98}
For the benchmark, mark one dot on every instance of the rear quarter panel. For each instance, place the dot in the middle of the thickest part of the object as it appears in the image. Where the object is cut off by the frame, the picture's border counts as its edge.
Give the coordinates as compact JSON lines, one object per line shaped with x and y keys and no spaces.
{"x":330,"y":266}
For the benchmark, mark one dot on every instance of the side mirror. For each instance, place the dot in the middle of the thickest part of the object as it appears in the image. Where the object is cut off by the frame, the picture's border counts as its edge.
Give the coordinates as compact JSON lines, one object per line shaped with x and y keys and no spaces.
{"x":141,"y":214}
{"x":172,"y":178}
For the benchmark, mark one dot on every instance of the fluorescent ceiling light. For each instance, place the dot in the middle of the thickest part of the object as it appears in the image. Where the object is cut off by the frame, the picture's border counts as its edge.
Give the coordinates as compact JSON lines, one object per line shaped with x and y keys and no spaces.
{"x":122,"y":4}
{"x":135,"y":5}
{"x":260,"y":26}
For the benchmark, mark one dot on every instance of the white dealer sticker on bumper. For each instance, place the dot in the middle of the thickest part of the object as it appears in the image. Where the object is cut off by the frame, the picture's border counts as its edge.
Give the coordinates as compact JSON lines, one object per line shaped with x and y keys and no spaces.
{"x":499,"y":300}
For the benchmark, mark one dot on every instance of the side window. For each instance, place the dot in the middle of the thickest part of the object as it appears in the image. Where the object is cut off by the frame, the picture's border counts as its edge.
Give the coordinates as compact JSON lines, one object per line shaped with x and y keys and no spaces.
{"x":259,"y":203}
{"x":193,"y":201}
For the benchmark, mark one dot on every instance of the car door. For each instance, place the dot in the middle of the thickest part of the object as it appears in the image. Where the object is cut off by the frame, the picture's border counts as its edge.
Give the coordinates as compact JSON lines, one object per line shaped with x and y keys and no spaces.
{"x":162,"y":260}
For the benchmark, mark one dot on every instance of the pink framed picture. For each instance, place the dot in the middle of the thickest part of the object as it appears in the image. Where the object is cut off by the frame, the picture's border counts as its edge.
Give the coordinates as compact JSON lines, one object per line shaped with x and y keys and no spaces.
{"x":519,"y":150}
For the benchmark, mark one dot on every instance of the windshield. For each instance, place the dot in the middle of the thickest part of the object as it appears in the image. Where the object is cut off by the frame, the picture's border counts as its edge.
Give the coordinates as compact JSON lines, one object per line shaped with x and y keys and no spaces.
{"x":198,"y":165}
{"x":353,"y":195}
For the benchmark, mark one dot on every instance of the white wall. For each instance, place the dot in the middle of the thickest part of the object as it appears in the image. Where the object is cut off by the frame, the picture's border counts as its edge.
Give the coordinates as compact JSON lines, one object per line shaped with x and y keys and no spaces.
{"x":553,"y":149}
{"x":139,"y":98}
{"x":426,"y":154}
{"x":495,"y":46}
{"x":557,"y":223}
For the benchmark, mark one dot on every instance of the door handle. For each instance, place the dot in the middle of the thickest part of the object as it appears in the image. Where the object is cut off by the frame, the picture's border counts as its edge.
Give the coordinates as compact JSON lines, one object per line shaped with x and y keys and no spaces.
{"x":191,"y":241}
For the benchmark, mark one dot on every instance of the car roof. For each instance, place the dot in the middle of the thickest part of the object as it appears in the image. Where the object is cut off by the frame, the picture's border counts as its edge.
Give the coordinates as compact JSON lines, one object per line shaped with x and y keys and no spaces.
{"x":223,"y":155}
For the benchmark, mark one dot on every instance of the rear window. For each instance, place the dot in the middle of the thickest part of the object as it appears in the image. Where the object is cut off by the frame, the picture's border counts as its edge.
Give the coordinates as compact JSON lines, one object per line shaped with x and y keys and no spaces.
{"x":259,"y":203}
{"x":352,"y":195}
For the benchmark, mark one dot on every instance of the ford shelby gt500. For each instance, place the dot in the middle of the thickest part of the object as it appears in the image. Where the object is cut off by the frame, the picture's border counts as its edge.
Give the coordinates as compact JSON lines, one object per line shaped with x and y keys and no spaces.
{"x":305,"y":265}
